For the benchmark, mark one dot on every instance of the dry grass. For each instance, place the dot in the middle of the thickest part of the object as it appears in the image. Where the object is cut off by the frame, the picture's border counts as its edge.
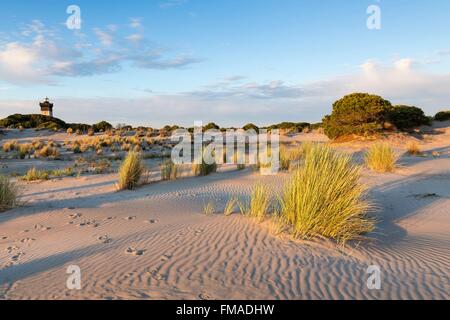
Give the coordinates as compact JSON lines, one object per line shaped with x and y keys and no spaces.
{"x":169,"y":170}
{"x":10,"y":146}
{"x":130,"y":171}
{"x":33,"y":175}
{"x":209,"y":208}
{"x":230,"y":206}
{"x":325,"y":198}
{"x":8,"y":194}
{"x":381,"y":158}
{"x":258,"y":205}
{"x":413,"y":149}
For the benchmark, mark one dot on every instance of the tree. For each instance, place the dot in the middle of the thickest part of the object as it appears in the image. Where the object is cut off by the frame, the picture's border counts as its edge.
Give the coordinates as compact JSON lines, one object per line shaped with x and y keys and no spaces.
{"x":102,"y":126}
{"x":250,"y":126}
{"x":405,"y":117}
{"x":442,"y":116}
{"x":357,"y":113}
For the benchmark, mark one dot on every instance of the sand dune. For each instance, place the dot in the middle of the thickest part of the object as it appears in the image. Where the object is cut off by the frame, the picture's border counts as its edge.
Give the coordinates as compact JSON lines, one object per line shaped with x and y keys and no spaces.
{"x":155,"y":242}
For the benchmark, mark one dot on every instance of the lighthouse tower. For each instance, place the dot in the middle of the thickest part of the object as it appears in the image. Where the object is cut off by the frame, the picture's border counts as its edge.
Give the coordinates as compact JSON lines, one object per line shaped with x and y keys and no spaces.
{"x":46,"y":107}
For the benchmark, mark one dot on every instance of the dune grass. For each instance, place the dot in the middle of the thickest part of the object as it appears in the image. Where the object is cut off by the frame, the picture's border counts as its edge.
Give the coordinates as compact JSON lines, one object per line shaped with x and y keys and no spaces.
{"x":34,"y":174}
{"x":209,"y":208}
{"x":413,"y":149}
{"x":290,"y":158}
{"x":130,"y":171}
{"x":230,"y":206}
{"x":169,"y":170}
{"x":381,"y":158}
{"x":324,"y":198}
{"x":203,"y":168}
{"x":8,"y":194}
{"x":258,"y":205}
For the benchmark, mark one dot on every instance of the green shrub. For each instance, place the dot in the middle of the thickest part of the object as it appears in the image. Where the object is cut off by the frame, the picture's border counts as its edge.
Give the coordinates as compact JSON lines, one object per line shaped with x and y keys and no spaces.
{"x":442,"y":116}
{"x":130,"y":171}
{"x":357,"y":113}
{"x":406,"y":117}
{"x":325,"y":198}
{"x":102,"y":126}
{"x":8,"y":194}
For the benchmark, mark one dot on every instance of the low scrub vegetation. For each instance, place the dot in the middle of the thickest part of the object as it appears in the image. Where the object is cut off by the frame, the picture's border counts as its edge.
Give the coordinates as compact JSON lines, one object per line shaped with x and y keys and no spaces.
{"x":209,"y":208}
{"x":413,"y":149}
{"x":381,"y":158}
{"x":8,"y":194}
{"x":169,"y":170}
{"x":130,"y":171}
{"x":324,"y":198}
{"x":258,"y":205}
{"x":230,"y":206}
{"x":34,"y":174}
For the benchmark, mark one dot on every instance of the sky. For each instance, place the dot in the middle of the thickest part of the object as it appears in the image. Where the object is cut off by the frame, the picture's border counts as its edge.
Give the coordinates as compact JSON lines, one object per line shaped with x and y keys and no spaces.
{"x":158,"y":62}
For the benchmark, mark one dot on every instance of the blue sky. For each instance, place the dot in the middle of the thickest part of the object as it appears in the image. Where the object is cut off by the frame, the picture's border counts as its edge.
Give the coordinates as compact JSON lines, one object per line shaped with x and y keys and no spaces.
{"x":155,"y":62}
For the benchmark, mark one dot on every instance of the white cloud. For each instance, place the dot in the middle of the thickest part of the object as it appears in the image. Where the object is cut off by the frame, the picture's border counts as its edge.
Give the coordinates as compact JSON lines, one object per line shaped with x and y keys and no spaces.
{"x":105,"y":38}
{"x":135,"y":23}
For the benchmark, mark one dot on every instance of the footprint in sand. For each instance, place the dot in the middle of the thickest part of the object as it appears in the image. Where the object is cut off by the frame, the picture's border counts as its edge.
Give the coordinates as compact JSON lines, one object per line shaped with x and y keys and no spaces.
{"x":109,"y":218}
{"x":17,"y":256}
{"x":27,"y":240}
{"x":135,"y":252}
{"x":90,"y":223}
{"x":105,"y":239}
{"x":11,"y":249}
{"x":166,"y":257}
{"x":75,"y":215}
{"x":4,"y":237}
{"x":156,"y":275}
{"x":198,"y":232}
{"x":151,"y":221}
{"x":130,"y":218}
{"x":204,"y":296}
{"x":41,"y":227}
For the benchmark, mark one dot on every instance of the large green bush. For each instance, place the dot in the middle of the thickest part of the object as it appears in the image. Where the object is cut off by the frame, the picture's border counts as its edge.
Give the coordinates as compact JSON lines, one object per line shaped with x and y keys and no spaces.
{"x":32,"y":121}
{"x":102,"y":126}
{"x":405,"y":117}
{"x":357,"y":113}
{"x":442,"y":116}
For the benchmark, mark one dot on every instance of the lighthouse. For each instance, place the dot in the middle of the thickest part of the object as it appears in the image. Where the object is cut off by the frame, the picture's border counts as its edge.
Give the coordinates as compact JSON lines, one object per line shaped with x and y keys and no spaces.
{"x":46,"y":107}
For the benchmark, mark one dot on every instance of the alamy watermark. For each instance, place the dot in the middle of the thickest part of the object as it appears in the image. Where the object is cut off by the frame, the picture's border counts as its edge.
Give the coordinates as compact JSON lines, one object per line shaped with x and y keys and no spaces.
{"x":73,"y":22}
{"x":374,"y":18}
{"x":73,"y":281}
{"x":374,"y":279}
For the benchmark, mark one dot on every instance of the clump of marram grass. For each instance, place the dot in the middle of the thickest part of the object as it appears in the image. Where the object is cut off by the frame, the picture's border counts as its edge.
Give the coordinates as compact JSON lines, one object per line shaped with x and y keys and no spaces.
{"x":325,"y":198}
{"x":258,"y":205}
{"x":209,"y":208}
{"x":413,"y":149}
{"x":34,"y":174}
{"x":230,"y":206}
{"x":381,"y":158}
{"x":10,"y":146}
{"x":8,"y":194}
{"x":130,"y":171}
{"x":202,"y":168}
{"x":169,"y":170}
